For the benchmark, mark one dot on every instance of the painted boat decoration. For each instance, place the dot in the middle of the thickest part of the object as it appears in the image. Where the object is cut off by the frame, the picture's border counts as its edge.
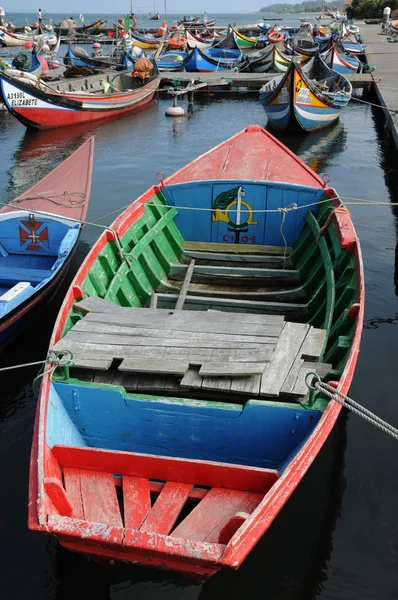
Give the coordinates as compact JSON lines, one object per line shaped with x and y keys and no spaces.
{"x":308,"y":97}
{"x":242,"y":40}
{"x":116,"y":471}
{"x":79,"y":57}
{"x":342,"y":62}
{"x":222,"y":57}
{"x":203,"y":40}
{"x":82,"y":100}
{"x":275,"y":57}
{"x":148,"y":42}
{"x":37,"y":245}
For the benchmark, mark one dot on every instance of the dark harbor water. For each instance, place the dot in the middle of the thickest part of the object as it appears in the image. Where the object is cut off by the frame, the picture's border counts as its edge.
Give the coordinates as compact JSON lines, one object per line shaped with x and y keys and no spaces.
{"x":338,"y":537}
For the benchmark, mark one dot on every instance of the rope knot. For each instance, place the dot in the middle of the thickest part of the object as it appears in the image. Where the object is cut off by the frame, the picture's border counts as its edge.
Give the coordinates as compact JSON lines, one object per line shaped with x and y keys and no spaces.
{"x":64,"y":358}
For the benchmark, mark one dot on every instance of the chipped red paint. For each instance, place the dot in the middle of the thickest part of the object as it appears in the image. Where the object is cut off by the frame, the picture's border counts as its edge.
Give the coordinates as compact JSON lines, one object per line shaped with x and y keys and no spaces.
{"x":188,"y":556}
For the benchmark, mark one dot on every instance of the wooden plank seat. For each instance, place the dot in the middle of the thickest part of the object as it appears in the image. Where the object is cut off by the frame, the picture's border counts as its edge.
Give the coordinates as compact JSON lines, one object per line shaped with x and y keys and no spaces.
{"x":216,"y":492}
{"x":264,"y":356}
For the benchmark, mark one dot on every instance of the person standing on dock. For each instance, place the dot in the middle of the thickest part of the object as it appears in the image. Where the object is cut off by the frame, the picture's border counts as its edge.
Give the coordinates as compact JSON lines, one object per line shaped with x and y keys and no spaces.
{"x":40,"y":17}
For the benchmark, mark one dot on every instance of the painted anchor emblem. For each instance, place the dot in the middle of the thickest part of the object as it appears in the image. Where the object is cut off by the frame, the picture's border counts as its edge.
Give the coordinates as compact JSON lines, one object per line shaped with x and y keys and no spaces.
{"x":232,"y":200}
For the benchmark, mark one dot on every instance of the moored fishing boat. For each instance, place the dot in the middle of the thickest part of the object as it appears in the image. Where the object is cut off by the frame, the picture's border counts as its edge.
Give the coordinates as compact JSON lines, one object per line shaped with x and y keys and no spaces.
{"x":308,"y":97}
{"x":275,"y":57}
{"x":202,"y":40}
{"x":171,"y":61}
{"x":148,"y":42}
{"x":37,"y":245}
{"x":79,"y":57}
{"x":85,"y":99}
{"x":242,"y":40}
{"x":180,"y":453}
{"x":26,"y":62}
{"x":19,"y":39}
{"x":222,"y":57}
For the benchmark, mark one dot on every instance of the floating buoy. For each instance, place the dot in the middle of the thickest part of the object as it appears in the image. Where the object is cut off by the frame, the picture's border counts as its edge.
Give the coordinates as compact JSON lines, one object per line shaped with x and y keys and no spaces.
{"x":44,"y":63}
{"x":28,"y":45}
{"x":175,"y":111}
{"x":96,"y":45}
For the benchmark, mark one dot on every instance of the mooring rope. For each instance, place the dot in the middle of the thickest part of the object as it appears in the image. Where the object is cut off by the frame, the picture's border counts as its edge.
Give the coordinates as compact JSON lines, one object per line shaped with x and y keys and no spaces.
{"x":62,"y":359}
{"x":350,"y":404}
{"x":70,"y":201}
{"x":393,"y":111}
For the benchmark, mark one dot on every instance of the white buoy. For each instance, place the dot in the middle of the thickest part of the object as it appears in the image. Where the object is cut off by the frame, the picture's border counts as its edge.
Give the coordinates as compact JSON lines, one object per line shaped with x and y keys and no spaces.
{"x":174,"y":111}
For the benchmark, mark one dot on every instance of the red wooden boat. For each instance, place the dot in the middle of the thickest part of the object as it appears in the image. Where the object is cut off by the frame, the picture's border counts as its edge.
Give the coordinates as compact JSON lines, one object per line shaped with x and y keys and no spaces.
{"x":161,"y":457}
{"x":37,"y":245}
{"x":81,"y":100}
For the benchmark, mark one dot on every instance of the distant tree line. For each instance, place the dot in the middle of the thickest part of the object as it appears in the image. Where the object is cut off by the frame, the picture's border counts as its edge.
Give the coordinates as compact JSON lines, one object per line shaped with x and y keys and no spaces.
{"x":307,"y":6}
{"x":369,"y":9}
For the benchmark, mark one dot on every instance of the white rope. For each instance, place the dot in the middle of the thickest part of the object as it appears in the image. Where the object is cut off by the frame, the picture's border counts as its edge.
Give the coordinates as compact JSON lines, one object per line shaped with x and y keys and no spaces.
{"x":351,"y":405}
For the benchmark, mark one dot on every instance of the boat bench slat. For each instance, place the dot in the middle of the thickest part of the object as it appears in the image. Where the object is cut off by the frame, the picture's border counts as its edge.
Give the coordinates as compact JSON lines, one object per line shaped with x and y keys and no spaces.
{"x":96,"y":306}
{"x":34,"y":276}
{"x":73,"y":491}
{"x":185,"y":286}
{"x":167,"y":508}
{"x":203,"y":303}
{"x":206,"y":521}
{"x":178,"y":271}
{"x":195,"y":336}
{"x":231,"y":369}
{"x":236,"y":248}
{"x":99,"y":498}
{"x":163,"y":468}
{"x":136,"y":501}
{"x":234,"y":259}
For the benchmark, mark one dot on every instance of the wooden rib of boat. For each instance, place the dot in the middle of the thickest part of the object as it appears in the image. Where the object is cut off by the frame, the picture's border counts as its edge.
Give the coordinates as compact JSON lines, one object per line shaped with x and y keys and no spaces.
{"x":308,"y":97}
{"x":37,"y":245}
{"x":185,"y":423}
{"x":73,"y":101}
{"x":203,"y":40}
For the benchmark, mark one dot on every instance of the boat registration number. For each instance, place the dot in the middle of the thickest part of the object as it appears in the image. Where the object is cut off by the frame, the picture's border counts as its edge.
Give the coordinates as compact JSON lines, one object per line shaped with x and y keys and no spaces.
{"x":303,"y":96}
{"x":20,"y":99}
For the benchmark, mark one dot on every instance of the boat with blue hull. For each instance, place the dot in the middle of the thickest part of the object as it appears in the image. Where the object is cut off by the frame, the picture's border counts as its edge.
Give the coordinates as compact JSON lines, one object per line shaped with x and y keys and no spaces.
{"x":308,"y":97}
{"x":222,"y":57}
{"x":184,"y":423}
{"x":80,"y":58}
{"x":35,"y":66}
{"x":36,"y":245}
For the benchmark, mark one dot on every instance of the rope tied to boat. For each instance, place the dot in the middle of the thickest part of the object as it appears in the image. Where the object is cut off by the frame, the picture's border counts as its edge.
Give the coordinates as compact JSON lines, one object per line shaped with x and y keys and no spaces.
{"x":337,"y":210}
{"x":350,"y":404}
{"x":72,"y":199}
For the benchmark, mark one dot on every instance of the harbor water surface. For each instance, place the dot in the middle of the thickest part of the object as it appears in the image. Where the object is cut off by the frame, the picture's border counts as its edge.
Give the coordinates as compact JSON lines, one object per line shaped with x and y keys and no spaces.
{"x":338,"y":535}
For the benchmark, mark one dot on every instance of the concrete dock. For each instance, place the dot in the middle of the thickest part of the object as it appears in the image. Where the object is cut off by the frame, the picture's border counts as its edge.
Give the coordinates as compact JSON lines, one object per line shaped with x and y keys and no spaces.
{"x":384,"y":56}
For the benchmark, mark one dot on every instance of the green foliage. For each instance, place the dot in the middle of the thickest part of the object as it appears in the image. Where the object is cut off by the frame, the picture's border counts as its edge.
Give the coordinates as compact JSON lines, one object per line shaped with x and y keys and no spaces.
{"x":315,"y":6}
{"x":369,"y":9}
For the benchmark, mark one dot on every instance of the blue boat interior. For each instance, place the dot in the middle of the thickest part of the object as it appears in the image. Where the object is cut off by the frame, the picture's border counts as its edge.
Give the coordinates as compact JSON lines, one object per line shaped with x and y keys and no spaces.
{"x":258,"y":434}
{"x":32,"y":250}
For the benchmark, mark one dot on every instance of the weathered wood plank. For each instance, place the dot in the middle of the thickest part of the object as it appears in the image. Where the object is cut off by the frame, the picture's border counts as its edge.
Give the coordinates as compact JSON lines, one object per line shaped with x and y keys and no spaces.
{"x":291,"y":378}
{"x":235,"y":248}
{"x":137,"y":501}
{"x":154,"y":300}
{"x":219,"y":384}
{"x":99,"y":498}
{"x":201,"y":257}
{"x":167,"y":367}
{"x":285,"y":353}
{"x":231,"y":369}
{"x":167,"y":508}
{"x":178,"y":271}
{"x":192,"y":379}
{"x":193,"y":355}
{"x":73,"y":491}
{"x":83,"y":361}
{"x":185,"y":286}
{"x":86,"y":325}
{"x":246,"y":385}
{"x":300,"y":388}
{"x":313,"y":344}
{"x":208,"y":518}
{"x":204,"y":302}
{"x":126,"y":340}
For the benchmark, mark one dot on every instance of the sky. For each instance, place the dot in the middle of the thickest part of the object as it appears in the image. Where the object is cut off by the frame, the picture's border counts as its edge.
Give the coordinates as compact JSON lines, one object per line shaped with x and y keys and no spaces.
{"x":143,"y":6}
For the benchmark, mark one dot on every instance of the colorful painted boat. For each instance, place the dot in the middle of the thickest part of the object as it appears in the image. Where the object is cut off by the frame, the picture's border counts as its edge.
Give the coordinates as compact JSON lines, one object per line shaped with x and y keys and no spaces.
{"x":147,"y":42}
{"x":308,"y":97}
{"x":189,"y":476}
{"x":82,"y":100}
{"x":242,"y":40}
{"x":91,"y":28}
{"x":18,"y":39}
{"x":203,"y":40}
{"x":274,"y":57}
{"x":222,"y":57}
{"x":37,"y":245}
{"x":341,"y":62}
{"x":80,"y":58}
{"x":171,"y":61}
